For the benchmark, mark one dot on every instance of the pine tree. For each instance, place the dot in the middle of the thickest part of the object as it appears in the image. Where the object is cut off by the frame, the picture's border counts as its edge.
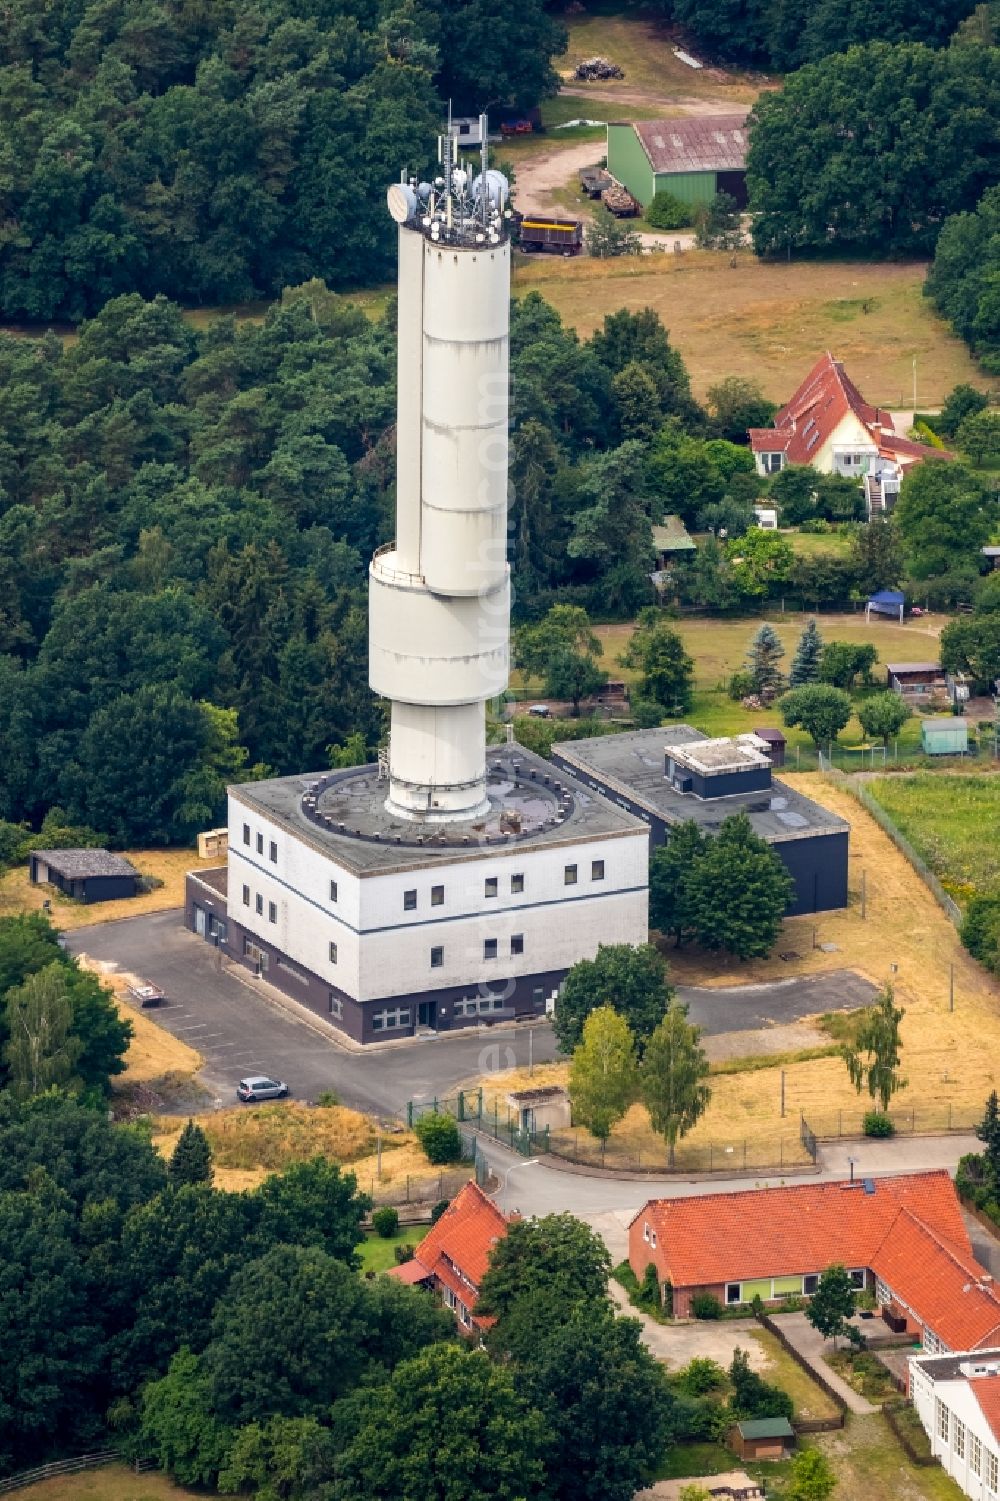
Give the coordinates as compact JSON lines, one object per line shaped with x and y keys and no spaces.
{"x":766,"y":651}
{"x":192,"y":1157}
{"x":805,"y":664}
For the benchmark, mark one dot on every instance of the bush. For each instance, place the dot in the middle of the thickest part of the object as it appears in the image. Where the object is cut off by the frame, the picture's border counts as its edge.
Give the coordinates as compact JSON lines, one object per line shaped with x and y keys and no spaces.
{"x":404,"y":1252}
{"x":649,"y":1287}
{"x":646,"y":712}
{"x":700,"y":1376}
{"x":691,"y":1420}
{"x":817,"y":524}
{"x":667,"y":212}
{"x":385,"y":1222}
{"x":877,"y":1123}
{"x":706,"y":1306}
{"x":439,"y":1209}
{"x":438,"y":1135}
{"x":741,"y":685}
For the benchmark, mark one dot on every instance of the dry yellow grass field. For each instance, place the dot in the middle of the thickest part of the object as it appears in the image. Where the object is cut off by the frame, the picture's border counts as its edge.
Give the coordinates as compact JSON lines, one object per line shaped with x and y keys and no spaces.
{"x":771,"y":320}
{"x":110,"y":1483}
{"x":249,"y":1143}
{"x":949,"y":1059}
{"x":17,"y":894}
{"x":154,"y":1054}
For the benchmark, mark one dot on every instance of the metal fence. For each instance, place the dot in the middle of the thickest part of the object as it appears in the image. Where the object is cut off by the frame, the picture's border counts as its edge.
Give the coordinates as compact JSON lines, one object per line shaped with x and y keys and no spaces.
{"x":774,"y":1154}
{"x":861,"y":794}
{"x":502,"y":1123}
{"x":58,"y":1467}
{"x":935,"y":1120}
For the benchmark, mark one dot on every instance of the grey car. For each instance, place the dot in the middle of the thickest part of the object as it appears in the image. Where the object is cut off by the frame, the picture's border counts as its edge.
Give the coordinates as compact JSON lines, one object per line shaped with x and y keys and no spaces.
{"x":260,"y":1087}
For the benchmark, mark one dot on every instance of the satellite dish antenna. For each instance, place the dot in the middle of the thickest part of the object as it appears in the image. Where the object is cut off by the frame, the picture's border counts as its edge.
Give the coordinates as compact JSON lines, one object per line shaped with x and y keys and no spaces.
{"x":402,"y":201}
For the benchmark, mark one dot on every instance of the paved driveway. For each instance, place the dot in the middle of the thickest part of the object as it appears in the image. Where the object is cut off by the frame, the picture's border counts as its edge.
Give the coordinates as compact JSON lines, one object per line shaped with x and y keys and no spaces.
{"x":239,"y":1030}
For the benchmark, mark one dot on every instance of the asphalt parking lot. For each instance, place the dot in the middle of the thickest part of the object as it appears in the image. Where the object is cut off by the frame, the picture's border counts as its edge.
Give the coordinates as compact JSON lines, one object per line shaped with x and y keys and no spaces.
{"x":239,"y":1030}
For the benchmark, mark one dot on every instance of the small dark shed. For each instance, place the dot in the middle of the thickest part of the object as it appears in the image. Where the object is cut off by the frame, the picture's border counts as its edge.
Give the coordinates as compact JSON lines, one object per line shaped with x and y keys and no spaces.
{"x":762,"y":1438}
{"x":775,"y":742}
{"x":86,"y":875}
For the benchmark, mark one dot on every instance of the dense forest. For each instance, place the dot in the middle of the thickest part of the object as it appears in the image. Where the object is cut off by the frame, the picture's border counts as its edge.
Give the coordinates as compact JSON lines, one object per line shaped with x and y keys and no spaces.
{"x":186,"y":517}
{"x":221,"y":150}
{"x":784,"y":34}
{"x":891,"y":140}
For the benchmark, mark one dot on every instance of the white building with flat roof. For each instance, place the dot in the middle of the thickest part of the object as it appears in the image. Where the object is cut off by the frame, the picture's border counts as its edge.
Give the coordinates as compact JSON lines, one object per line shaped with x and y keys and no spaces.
{"x":957,"y":1398}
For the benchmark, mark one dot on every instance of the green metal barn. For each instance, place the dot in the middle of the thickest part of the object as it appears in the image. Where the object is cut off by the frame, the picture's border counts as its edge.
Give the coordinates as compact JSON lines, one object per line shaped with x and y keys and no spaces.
{"x":692,"y":158}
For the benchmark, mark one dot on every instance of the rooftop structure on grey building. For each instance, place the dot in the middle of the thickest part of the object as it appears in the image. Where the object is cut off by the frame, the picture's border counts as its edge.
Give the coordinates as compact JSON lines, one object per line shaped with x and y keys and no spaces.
{"x":674,"y":774}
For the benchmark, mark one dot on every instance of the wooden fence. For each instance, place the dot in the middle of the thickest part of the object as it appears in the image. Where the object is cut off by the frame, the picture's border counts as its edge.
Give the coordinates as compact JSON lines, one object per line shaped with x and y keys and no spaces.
{"x":58,"y":1467}
{"x":808,"y":1425}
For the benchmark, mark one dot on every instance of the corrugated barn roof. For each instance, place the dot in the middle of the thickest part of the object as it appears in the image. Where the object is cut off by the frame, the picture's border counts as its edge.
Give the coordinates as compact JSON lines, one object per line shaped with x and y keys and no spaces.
{"x":706,"y":143}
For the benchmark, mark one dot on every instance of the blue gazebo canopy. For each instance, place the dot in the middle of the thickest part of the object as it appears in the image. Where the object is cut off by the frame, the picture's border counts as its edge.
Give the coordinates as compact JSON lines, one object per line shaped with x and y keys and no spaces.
{"x":890,"y":597}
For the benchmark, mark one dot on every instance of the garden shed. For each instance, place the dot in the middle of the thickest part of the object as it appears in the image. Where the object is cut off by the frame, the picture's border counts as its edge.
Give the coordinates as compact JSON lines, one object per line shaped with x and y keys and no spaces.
{"x":775,"y":742}
{"x":762,"y":1438}
{"x":87,"y":875}
{"x":944,"y":737}
{"x":538,"y":1110}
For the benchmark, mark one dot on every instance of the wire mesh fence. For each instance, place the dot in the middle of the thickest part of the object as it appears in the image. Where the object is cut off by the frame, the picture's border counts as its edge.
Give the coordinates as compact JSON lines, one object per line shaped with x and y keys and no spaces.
{"x":774,"y":1154}
{"x":505,"y":1124}
{"x":931,"y":1120}
{"x":860,"y":793}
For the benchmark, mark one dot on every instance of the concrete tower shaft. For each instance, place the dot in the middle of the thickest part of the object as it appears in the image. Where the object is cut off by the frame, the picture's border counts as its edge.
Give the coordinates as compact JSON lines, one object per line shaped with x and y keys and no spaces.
{"x":439,"y":607}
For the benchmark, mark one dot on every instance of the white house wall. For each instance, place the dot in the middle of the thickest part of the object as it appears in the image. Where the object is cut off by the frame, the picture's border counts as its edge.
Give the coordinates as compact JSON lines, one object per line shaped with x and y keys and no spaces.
{"x":383,"y":949}
{"x":961,"y":1404}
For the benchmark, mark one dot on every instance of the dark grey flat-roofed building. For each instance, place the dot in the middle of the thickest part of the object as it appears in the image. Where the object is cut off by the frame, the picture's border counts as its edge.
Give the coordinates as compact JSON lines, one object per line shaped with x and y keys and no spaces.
{"x":670,"y":775}
{"x":87,"y":875}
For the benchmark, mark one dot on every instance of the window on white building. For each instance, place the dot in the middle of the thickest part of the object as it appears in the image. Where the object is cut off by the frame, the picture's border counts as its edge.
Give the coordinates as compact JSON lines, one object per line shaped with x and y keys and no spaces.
{"x":246,"y":833}
{"x":941,"y":1419}
{"x":516,"y":884}
{"x":273,"y":853}
{"x":958,"y":1438}
{"x":272,"y":912}
{"x":734,"y":1292}
{"x":409,"y":901}
{"x":597,"y":870}
{"x":386,"y":1020}
{"x":260,"y":844}
{"x":437,"y":957}
{"x":333,"y":891}
{"x":491,"y":886}
{"x":517,"y":943}
{"x":489,"y":948}
{"x":569,"y":875}
{"x":991,"y":1471}
{"x":335,"y":1004}
{"x":246,"y":896}
{"x":975,"y":1454}
{"x":259,"y":905}
{"x":333,"y":952}
{"x":437,"y":896}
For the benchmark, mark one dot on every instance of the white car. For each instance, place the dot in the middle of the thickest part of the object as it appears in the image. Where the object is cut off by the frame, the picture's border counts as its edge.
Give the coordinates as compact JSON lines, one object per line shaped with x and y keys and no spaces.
{"x":260,"y":1087}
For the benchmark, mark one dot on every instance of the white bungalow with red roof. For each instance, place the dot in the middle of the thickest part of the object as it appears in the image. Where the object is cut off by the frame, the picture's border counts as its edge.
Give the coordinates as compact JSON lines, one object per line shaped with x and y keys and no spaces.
{"x":828,"y":425}
{"x":957,"y":1398}
{"x":453,"y":1256}
{"x":902,"y":1238}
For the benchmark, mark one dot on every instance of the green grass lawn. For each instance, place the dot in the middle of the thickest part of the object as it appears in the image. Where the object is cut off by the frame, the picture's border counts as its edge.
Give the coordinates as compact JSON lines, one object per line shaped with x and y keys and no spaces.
{"x":952,"y":820}
{"x":378,"y":1254}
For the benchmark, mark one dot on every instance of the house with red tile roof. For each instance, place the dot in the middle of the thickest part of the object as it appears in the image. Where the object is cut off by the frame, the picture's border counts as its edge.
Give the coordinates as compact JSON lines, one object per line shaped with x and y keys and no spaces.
{"x":957,"y":1398}
{"x":902,"y":1238}
{"x":453,"y":1256}
{"x":830,"y":426}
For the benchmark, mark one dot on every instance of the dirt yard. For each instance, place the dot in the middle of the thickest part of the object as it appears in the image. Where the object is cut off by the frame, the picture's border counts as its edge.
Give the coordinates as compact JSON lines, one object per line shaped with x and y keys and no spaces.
{"x":17,"y":894}
{"x":771,"y":320}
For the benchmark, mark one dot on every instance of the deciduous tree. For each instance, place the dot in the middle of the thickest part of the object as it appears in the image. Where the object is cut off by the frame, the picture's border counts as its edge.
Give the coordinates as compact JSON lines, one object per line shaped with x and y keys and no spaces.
{"x":737,"y":892}
{"x":631,"y":979}
{"x":821,"y":710}
{"x":557,"y":1254}
{"x":832,"y":1304}
{"x":672,"y":1077}
{"x":670,"y":867}
{"x":602,"y":1076}
{"x":883,"y":715}
{"x":873,"y":1057}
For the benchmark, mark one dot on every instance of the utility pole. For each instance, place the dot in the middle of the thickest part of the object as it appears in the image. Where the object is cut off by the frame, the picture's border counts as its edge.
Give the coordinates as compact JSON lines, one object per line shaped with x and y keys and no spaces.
{"x":782,"y":1094}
